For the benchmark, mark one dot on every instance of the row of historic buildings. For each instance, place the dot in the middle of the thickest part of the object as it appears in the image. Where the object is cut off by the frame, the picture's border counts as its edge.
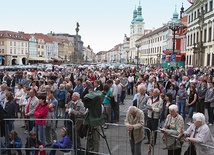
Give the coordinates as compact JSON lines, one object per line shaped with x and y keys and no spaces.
{"x":19,"y":48}
{"x":193,"y":41}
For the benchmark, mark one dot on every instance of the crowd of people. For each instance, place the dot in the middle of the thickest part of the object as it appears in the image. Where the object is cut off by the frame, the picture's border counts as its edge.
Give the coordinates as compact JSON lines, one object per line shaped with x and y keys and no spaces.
{"x":37,"y":95}
{"x":166,"y":98}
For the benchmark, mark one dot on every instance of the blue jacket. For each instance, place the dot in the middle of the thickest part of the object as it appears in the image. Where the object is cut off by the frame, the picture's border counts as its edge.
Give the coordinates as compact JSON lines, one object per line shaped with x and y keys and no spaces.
{"x":60,"y":95}
{"x":78,"y":89}
{"x":65,"y":143}
{"x":17,"y":143}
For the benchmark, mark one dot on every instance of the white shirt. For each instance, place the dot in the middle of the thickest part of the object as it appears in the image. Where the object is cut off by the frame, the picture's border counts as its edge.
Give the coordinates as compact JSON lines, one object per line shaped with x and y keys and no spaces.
{"x":131,"y":79}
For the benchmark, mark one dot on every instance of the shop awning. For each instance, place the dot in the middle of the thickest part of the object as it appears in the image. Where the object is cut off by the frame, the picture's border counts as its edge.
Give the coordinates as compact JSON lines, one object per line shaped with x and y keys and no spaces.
{"x":57,"y":59}
{"x":37,"y":59}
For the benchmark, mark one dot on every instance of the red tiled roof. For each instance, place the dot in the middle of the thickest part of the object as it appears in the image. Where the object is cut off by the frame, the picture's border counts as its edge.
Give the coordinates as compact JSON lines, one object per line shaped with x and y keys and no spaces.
{"x":44,"y":37}
{"x":12,"y":35}
{"x":27,"y":36}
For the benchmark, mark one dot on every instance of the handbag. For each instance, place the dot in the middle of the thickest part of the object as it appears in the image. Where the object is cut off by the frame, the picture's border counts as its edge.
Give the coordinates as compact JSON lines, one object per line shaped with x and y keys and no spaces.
{"x":171,"y":143}
{"x":190,"y":150}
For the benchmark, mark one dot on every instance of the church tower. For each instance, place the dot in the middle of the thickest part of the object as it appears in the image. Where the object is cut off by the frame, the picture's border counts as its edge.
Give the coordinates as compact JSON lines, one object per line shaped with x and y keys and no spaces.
{"x":136,"y":30}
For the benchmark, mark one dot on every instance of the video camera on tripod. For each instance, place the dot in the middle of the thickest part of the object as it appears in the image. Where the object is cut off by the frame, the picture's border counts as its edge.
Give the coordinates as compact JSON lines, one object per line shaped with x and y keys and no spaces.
{"x":93,"y":101}
{"x":94,"y":118}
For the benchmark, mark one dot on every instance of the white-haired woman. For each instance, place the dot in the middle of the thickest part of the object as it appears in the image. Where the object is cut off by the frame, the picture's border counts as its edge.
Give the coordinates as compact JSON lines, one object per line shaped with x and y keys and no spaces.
{"x":173,"y":126}
{"x":198,"y":134}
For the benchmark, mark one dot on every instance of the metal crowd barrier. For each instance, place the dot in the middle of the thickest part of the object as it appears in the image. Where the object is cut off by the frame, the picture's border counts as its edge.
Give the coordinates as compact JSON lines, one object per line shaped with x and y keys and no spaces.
{"x":18,"y":122}
{"x":118,"y":141}
{"x":160,"y":148}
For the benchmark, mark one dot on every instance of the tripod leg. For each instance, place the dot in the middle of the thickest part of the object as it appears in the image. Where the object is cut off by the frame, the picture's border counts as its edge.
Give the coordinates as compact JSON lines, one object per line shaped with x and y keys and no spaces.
{"x":104,"y":136}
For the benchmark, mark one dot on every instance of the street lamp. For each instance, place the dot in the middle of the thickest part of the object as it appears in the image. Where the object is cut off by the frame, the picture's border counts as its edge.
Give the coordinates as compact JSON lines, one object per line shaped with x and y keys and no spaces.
{"x":174,"y":25}
{"x":138,"y":46}
{"x":127,"y":51}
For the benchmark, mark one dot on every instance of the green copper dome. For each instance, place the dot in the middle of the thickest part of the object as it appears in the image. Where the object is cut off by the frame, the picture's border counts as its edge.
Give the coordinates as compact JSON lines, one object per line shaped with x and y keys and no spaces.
{"x":139,"y":17}
{"x":134,"y":15}
{"x":175,"y":14}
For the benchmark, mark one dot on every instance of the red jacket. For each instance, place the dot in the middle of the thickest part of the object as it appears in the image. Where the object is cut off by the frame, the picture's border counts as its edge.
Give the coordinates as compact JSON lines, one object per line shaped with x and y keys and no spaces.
{"x":41,"y":112}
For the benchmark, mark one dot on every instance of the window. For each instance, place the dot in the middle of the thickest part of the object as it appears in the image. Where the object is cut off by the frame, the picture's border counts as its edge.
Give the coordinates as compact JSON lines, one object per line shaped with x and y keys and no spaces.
{"x":211,"y":5}
{"x":195,"y":15}
{"x":210,"y":34}
{"x":205,"y":35}
{"x":11,"y":51}
{"x":189,"y":19}
{"x":2,"y":50}
{"x":22,"y":44}
{"x":212,"y":60}
{"x":25,"y":51}
{"x":11,"y":43}
{"x":206,"y":8}
{"x":38,"y":46}
{"x":25,"y":44}
{"x":14,"y":43}
{"x":198,"y":12}
{"x":197,"y":35}
{"x":22,"y":51}
{"x":202,"y":9}
{"x":2,"y":42}
{"x":190,"y":40}
{"x":14,"y":51}
{"x":42,"y":46}
{"x":187,"y":60}
{"x":208,"y":59}
{"x":193,"y":38}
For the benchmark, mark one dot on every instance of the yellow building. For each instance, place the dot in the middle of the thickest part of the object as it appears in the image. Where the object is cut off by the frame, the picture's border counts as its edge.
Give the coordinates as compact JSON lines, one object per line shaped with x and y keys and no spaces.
{"x":13,"y":48}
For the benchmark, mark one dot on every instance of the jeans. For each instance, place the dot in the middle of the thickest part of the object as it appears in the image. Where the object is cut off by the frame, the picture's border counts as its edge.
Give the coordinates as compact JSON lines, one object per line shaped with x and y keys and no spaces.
{"x":135,"y":148}
{"x":130,"y":88}
{"x":41,"y":130}
{"x":191,"y":110}
{"x":2,"y":148}
{"x":30,"y":125}
{"x":210,"y":113}
{"x":123,"y":96}
{"x":8,"y":128}
{"x":31,"y":152}
{"x":181,"y":109}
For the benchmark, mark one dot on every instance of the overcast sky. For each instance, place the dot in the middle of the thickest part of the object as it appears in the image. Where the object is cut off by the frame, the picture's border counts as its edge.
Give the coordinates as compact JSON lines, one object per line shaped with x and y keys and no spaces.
{"x":103,"y":23}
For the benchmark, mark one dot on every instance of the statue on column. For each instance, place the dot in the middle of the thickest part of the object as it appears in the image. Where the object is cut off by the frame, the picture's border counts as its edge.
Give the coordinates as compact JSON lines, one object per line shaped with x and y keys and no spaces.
{"x":77,"y":28}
